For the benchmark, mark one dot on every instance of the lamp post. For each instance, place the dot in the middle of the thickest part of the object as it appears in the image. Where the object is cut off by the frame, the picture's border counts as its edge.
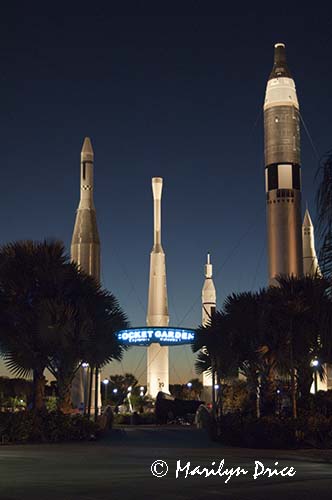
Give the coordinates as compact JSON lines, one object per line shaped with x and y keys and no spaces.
{"x":105,"y":382}
{"x":315,"y":365}
{"x":85,"y":367}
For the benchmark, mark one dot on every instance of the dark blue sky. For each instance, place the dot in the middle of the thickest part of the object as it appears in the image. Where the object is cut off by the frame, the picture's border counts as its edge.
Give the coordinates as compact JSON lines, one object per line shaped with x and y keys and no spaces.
{"x":177,"y":95}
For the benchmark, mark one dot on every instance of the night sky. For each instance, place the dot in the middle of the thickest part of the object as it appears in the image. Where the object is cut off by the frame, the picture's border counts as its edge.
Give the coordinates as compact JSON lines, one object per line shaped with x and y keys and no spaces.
{"x":171,"y":94}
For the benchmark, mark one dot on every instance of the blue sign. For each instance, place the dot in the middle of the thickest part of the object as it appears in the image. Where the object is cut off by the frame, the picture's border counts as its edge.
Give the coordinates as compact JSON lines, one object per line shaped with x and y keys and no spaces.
{"x":163,"y":336}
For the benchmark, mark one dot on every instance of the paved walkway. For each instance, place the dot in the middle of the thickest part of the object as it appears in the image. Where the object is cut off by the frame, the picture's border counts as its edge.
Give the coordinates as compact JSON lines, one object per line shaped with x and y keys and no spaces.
{"x":119,"y":468}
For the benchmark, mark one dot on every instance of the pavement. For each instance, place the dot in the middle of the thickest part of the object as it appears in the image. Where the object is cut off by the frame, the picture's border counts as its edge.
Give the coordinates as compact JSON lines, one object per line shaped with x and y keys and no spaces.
{"x":119,"y":467}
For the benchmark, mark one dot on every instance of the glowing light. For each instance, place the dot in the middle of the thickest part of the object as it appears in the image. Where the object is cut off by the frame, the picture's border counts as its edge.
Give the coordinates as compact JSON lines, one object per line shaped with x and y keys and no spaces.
{"x":106,"y":381}
{"x":162,"y":336}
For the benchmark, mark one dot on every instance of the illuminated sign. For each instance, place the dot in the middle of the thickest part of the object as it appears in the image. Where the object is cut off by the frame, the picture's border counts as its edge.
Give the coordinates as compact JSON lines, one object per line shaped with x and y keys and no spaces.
{"x":163,"y":336}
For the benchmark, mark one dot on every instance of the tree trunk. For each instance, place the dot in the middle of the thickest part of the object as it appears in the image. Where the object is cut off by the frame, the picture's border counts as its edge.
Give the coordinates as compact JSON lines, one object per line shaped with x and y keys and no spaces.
{"x":269,"y":392}
{"x":64,"y":393}
{"x":39,"y":382}
{"x":258,"y":399}
{"x":305,"y":379}
{"x":90,"y":391}
{"x":96,"y":392}
{"x":293,"y":382}
{"x":213,"y":394}
{"x":219,"y":395}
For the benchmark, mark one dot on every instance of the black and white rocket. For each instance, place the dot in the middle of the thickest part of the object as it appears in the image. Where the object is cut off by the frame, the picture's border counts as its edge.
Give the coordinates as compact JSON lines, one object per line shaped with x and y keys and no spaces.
{"x":85,"y":244}
{"x":209,"y":299}
{"x":157,"y":314}
{"x":282,"y":170}
{"x":85,"y":251}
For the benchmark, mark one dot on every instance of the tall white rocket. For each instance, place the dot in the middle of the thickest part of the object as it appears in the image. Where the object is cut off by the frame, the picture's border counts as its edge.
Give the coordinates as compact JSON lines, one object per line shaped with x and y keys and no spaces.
{"x":157,"y":314}
{"x":85,"y":245}
{"x":85,"y":251}
{"x":310,"y":261}
{"x":209,"y":300}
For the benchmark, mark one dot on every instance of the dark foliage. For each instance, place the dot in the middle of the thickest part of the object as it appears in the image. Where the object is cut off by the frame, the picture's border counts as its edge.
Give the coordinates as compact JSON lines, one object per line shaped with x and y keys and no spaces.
{"x":275,"y":432}
{"x":44,"y":427}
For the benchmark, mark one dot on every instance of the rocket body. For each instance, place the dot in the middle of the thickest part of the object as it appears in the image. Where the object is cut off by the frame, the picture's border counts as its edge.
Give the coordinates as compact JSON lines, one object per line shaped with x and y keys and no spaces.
{"x":209,"y":299}
{"x":282,"y":171}
{"x":85,"y":245}
{"x":157,"y":313}
{"x":310,"y":261}
{"x":85,"y":251}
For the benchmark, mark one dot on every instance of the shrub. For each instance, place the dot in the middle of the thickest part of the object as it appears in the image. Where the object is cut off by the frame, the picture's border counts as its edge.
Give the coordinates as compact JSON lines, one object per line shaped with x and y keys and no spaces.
{"x":317,"y":404}
{"x":276,"y":432}
{"x":45,"y":427}
{"x":139,"y":419}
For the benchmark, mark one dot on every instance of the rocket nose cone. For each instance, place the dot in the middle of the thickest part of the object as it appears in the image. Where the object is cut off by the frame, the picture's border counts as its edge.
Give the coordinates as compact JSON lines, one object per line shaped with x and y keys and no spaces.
{"x":157,"y":186}
{"x":279,"y":53}
{"x":307,"y":222}
{"x":87,"y":146}
{"x":280,"y":68}
{"x":157,"y":180}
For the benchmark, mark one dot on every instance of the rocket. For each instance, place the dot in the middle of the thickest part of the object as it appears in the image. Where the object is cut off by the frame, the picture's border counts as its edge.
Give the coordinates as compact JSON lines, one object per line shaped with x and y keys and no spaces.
{"x":209,"y":300}
{"x":311,"y":268}
{"x":310,"y":261}
{"x":157,"y":313}
{"x":85,"y":251}
{"x":85,"y":244}
{"x":282,"y":170}
{"x":208,"y":293}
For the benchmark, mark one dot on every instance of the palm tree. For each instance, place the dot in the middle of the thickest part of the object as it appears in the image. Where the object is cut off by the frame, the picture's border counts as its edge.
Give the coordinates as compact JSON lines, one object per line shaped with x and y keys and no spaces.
{"x":28,"y":276}
{"x":244,"y":311}
{"x":53,"y":316}
{"x":102,"y":346}
{"x":216,"y":353}
{"x":294,"y":320}
{"x":324,"y":213}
